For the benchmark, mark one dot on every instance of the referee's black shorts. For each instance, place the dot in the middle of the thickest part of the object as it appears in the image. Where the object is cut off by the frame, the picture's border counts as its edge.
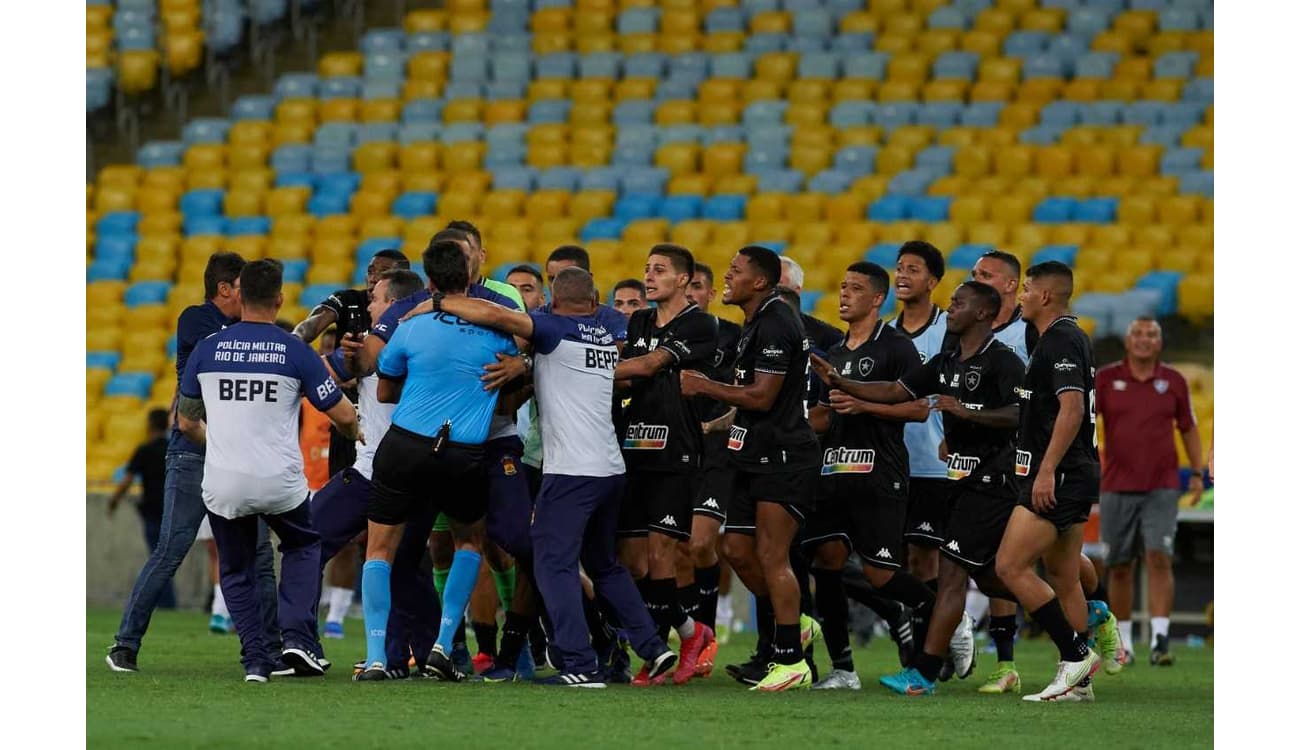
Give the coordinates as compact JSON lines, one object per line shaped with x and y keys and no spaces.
{"x":406,"y":472}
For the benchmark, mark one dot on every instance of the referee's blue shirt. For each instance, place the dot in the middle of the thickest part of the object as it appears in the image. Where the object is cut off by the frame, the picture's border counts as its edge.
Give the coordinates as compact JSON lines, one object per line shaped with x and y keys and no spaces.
{"x":442,"y":358}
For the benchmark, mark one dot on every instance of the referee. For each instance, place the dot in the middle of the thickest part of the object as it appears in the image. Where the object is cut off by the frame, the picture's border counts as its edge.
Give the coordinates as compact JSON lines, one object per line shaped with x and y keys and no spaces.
{"x":240,"y":397}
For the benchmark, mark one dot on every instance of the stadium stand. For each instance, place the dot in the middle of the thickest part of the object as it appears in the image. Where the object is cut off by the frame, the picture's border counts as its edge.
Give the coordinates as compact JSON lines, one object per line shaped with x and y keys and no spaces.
{"x":830,"y":130}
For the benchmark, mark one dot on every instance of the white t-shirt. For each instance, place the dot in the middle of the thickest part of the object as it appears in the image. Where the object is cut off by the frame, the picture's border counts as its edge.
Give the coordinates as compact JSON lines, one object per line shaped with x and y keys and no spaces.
{"x":923,"y":438}
{"x":375,"y":418}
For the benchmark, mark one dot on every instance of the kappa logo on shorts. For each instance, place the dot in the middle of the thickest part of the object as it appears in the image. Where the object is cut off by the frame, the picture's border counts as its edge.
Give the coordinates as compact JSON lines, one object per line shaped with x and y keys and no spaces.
{"x":668,"y":521}
{"x":848,"y":461}
{"x":712,"y":503}
{"x":736,"y":440}
{"x":883,"y":554}
{"x":646,"y":437}
{"x":1024,"y":459}
{"x":925,"y":526}
{"x":952,"y":545}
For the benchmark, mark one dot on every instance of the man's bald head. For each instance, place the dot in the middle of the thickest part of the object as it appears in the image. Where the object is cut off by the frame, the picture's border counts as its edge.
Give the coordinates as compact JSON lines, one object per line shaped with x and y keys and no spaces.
{"x":574,"y":291}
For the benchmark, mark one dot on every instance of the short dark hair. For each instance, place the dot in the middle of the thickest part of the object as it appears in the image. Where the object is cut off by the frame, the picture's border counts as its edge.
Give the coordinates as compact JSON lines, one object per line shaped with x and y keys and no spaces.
{"x":222,"y":267}
{"x":467,"y":228}
{"x":573,"y":285}
{"x":789,"y":296}
{"x":705,"y":269}
{"x":402,"y":282}
{"x":926,"y":252}
{"x":448,"y":235}
{"x":1012,"y":261}
{"x":767,"y":261}
{"x":261,"y":281}
{"x":577,"y":255}
{"x":446,"y":267}
{"x":985,"y":295}
{"x":525,"y":268}
{"x":394,"y":255}
{"x":681,"y":258}
{"x":158,"y":420}
{"x":631,"y":284}
{"x":1053,"y":269}
{"x":879,"y":276}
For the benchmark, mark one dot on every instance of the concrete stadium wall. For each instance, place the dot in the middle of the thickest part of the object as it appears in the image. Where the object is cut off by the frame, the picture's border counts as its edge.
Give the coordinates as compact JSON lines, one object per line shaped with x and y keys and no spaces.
{"x":115,"y":552}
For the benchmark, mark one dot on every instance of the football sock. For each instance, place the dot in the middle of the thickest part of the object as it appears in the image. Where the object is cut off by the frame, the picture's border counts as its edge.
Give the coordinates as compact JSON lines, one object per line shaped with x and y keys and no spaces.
{"x":486,"y":635}
{"x":340,"y":600}
{"x":766,"y":620}
{"x":219,"y":602}
{"x":688,"y":598}
{"x":455,"y":597}
{"x":1159,"y":627}
{"x":862,"y":593}
{"x":928,"y":665}
{"x":376,"y":599}
{"x":1126,"y":634}
{"x":513,"y":635}
{"x":834,"y":609}
{"x":1002,"y":629}
{"x":1071,"y":645}
{"x":505,"y":583}
{"x":597,"y":625}
{"x":706,"y":584}
{"x":785,"y":646}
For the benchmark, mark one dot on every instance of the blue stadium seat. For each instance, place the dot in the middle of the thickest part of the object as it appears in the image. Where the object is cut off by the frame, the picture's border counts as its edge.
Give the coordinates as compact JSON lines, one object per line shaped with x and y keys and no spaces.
{"x":676,"y":88}
{"x":939,"y":114}
{"x":1166,"y":135}
{"x":852,"y":113}
{"x":947,"y":17}
{"x":813,"y":23}
{"x":193,"y":226}
{"x":1200,"y":182}
{"x":418,"y":132}
{"x":422,"y":110}
{"x":677,"y":208}
{"x":1096,"y":65}
{"x":1060,"y":253}
{"x":327,"y":204}
{"x":136,"y":384}
{"x":693,"y":65}
{"x":99,"y":88}
{"x":645,"y":65}
{"x":1177,"y":161}
{"x":896,"y":114}
{"x":146,"y":293}
{"x":511,"y":66}
{"x":102,"y":360}
{"x":912,"y":183}
{"x":248,"y":225}
{"x":1088,"y":20}
{"x":108,"y":270}
{"x":964,"y":256}
{"x":871,"y":65}
{"x":428,"y":41}
{"x":633,"y":155}
{"x":831,"y":182}
{"x":339,"y":183}
{"x":462,"y":132}
{"x":337,"y":134}
{"x":468,"y":69}
{"x":933,"y":208}
{"x":819,"y":65}
{"x":644,"y":180}
{"x":1176,"y":65}
{"x":1165,"y":283}
{"x":884,"y":254}
{"x":780,"y":181}
{"x":1024,"y":43}
{"x":764,"y":113}
{"x":313,"y":295}
{"x":631,"y":111}
{"x":956,"y":65}
{"x":1199,"y":90}
{"x":604,"y":178}
{"x":115,"y":247}
{"x":371,"y":90}
{"x":1101,"y":113}
{"x":1055,"y":210}
{"x":205,"y":130}
{"x":602,"y":229}
{"x":1042,"y":135}
{"x":342,"y":87}
{"x":1180,"y":19}
{"x":295,"y":85}
{"x":1044,"y":66}
{"x":331,"y":159}
{"x":411,"y":205}
{"x":295,"y":179}
{"x":724,"y":19}
{"x":514,"y":178}
{"x":556,"y":65}
{"x":936,"y":158}
{"x":1097,"y":210}
{"x":1144,"y":113}
{"x":761,"y":159}
{"x":202,"y":202}
{"x":852,"y":43}
{"x":762,"y":44}
{"x":601,"y":65}
{"x":367,"y":249}
{"x":117,"y":222}
{"x":1062,"y":113}
{"x":981,"y":114}
{"x":1185,"y":114}
{"x":390,"y":41}
{"x":889,"y":208}
{"x":372,"y":132}
{"x":856,"y":161}
{"x":638,"y":21}
{"x":559,"y":178}
{"x":724,"y":208}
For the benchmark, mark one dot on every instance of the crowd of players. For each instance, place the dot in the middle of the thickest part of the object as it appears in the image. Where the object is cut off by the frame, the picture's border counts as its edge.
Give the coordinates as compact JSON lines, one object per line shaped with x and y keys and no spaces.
{"x":941,"y":447}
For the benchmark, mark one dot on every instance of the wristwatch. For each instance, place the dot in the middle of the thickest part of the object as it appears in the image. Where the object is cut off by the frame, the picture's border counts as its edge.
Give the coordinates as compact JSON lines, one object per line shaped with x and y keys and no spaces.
{"x":528,"y":362}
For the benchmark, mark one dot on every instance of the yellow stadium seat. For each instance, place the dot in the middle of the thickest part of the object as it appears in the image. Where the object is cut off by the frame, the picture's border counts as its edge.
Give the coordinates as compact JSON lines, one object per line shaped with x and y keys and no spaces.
{"x":936,"y":42}
{"x":475,"y":182}
{"x":242,"y":203}
{"x":1082,"y":90}
{"x":464,"y":156}
{"x":1019,"y":115}
{"x":1094,"y":259}
{"x":381,"y":226}
{"x":425,"y":20}
{"x":503,"y":204}
{"x":418,"y":157}
{"x":1154,"y":237}
{"x":947,"y":90}
{"x":1069,"y":234}
{"x":1178,"y":210}
{"x":333,"y":250}
{"x":184,"y":49}
{"x":778,"y":67}
{"x":547,"y":42}
{"x":152,"y":200}
{"x":870,"y":188}
{"x":546,"y":204}
{"x":137,"y":70}
{"x":1199,"y":236}
{"x":723,"y":112}
{"x":374,"y":156}
{"x":759,"y":90}
{"x":844,"y":207}
{"x":1113,"y":41}
{"x":1015,"y":162}
{"x":421,"y":89}
{"x":1012,"y":209}
{"x":468,"y":23}
{"x":770,"y":231}
{"x":428,"y":66}
{"x":1176,"y":259}
{"x":250,"y":246}
{"x":678,"y":158}
{"x":206,"y":179}
{"x":584,"y":24}
{"x":914,"y":137}
{"x":722,"y":42}
{"x":293,"y":225}
{"x":591,"y":90}
{"x":851,"y":88}
{"x":691,"y":234}
{"x":943,"y":235}
{"x":337,"y":225}
{"x":992,"y":91}
{"x":591,"y":204}
{"x":968,"y":209}
{"x":1125,"y":91}
{"x":770,"y":22}
{"x":287,"y":248}
{"x":803,"y":91}
{"x":769,"y":206}
{"x":543,"y":155}
{"x":248,"y":156}
{"x":810,"y":159}
{"x":860,"y":135}
{"x":722,"y":159}
{"x":1135,"y":69}
{"x":1000,"y":70}
{"x":677,"y":44}
{"x":1096,"y":161}
{"x":859,"y":21}
{"x":911,"y":68}
{"x":1049,"y":20}
{"x":204,"y":156}
{"x":552,"y":20}
{"x":892,"y":159}
{"x":635,"y":44}
{"x":953,"y":186}
{"x":634,"y":88}
{"x":898,"y":91}
{"x":381,"y":110}
{"x":691,"y":184}
{"x":1196,"y":296}
{"x":338,"y":110}
{"x":675,"y":112}
{"x":1201,"y":136}
{"x":292,"y":132}
{"x":895,"y":44}
{"x":646,"y":231}
{"x":807,"y":115}
{"x":340,"y":64}
{"x":1040,"y":91}
{"x":589,"y":113}
{"x":805,"y":208}
{"x":462,"y":110}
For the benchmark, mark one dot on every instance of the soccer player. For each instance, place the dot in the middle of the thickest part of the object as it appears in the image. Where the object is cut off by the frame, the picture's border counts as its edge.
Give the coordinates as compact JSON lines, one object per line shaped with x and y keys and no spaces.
{"x":775,"y":455}
{"x":183,"y":509}
{"x":862,"y":492}
{"x":528,"y":282}
{"x":975,"y":388}
{"x":149,"y":465}
{"x":434,"y":445}
{"x":1056,"y":460}
{"x":577,"y":508}
{"x":629,"y":296}
{"x":239,"y":396}
{"x":1138,"y":398}
{"x":662,"y":444}
{"x":716,"y":478}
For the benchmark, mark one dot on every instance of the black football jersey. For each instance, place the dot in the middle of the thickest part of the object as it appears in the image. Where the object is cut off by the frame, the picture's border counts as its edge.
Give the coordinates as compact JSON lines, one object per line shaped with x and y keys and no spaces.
{"x":859,"y":444}
{"x":660,"y":429}
{"x":1062,"y":361}
{"x":773,"y":342}
{"x":721,"y":368}
{"x":990,"y":379}
{"x":352,"y":306}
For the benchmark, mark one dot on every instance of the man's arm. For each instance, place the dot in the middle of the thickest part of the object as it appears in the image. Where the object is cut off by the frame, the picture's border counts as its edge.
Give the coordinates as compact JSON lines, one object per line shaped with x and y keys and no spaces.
{"x":917,"y":410}
{"x":120,"y":492}
{"x":1192,"y":442}
{"x":368,"y":356}
{"x":820,"y":418}
{"x":757,"y":396}
{"x":1002,"y":418}
{"x":189,"y":419}
{"x":721,"y":424}
{"x":881,"y":393}
{"x":484,"y":313}
{"x":644,"y":366}
{"x":321,"y":318}
{"x":389,"y":391}
{"x":344,"y":416}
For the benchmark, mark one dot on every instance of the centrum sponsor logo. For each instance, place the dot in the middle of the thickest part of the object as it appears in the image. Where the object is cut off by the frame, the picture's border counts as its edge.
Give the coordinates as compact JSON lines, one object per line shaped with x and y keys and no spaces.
{"x":960,"y":467}
{"x":1023,"y":461}
{"x":736,"y":441}
{"x":646,"y":437}
{"x":848,"y":461}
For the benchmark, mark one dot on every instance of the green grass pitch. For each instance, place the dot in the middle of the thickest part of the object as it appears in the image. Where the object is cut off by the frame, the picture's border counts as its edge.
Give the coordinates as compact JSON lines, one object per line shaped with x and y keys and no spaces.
{"x":190,"y":693}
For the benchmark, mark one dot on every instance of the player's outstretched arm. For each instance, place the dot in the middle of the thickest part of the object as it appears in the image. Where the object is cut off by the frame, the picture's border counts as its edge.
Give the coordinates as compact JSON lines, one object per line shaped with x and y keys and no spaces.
{"x":644,"y":366}
{"x":344,"y":416}
{"x":1002,"y":418}
{"x":757,"y":396}
{"x":315,"y":324}
{"x":484,"y":313}
{"x":916,"y":410}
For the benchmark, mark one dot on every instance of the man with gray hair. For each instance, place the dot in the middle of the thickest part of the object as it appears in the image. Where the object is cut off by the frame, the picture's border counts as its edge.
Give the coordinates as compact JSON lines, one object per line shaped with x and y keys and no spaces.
{"x":1139,"y":398}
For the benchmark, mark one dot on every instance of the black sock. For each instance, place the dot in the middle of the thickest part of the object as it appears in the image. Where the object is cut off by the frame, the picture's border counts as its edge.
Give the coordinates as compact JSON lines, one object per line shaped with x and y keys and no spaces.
{"x":799,"y":566}
{"x":1099,"y":594}
{"x":460,"y":632}
{"x":862,"y":593}
{"x":1073,"y":647}
{"x":486,"y":635}
{"x":928,"y":665}
{"x":661,"y":601}
{"x":834,"y":611}
{"x":906,"y":588}
{"x":513,"y":634}
{"x":706,"y":584}
{"x":785,"y":644}
{"x":688,"y":600}
{"x":766,"y":618}
{"x":596,"y":625}
{"x":1002,"y":629}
